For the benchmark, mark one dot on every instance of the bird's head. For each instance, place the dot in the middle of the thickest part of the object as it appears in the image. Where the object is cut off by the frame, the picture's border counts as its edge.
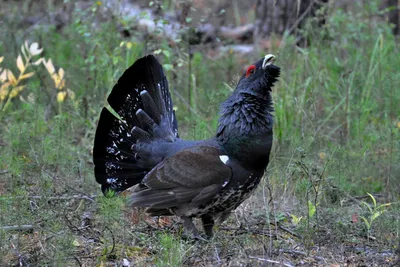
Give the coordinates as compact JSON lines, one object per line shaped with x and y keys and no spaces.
{"x":259,"y":78}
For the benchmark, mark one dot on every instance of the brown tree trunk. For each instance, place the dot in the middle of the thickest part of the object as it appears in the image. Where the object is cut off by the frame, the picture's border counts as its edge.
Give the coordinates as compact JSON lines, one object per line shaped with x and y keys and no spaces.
{"x":393,"y":15}
{"x":278,"y":16}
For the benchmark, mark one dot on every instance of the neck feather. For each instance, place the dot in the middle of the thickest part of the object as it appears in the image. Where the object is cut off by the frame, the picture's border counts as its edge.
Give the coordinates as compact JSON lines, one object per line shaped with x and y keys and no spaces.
{"x":245,"y":127}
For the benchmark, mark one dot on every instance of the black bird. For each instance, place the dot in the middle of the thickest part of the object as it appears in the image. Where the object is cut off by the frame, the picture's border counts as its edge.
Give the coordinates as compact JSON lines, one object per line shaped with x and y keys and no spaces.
{"x":206,"y":179}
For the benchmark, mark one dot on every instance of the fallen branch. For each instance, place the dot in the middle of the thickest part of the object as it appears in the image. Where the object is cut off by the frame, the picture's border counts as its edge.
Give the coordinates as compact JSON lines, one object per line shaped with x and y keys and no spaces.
{"x":287,"y":230}
{"x":239,"y":231}
{"x":90,"y":198}
{"x":22,"y":227}
{"x":21,"y":259}
{"x":298,"y":252}
{"x":271,"y":261}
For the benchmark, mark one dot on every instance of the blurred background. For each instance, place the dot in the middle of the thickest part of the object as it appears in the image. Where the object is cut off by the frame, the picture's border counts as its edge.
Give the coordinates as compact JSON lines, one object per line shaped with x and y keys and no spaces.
{"x":331,"y":193}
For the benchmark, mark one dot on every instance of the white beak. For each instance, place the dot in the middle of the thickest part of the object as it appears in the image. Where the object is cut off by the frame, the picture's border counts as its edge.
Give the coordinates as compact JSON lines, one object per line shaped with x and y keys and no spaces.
{"x":268,"y":60}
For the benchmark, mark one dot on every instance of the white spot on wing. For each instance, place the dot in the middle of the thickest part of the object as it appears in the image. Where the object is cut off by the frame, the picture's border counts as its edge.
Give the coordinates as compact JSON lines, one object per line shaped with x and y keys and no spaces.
{"x":111,"y":180}
{"x":225,"y":183}
{"x":224,"y":158}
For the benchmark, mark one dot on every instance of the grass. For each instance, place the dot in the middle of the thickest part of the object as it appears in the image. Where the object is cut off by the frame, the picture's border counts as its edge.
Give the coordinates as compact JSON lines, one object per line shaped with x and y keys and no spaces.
{"x":337,"y":132}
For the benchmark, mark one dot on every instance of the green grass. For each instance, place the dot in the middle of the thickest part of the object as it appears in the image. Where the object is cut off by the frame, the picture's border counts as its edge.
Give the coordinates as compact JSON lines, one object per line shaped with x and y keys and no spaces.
{"x":337,"y":138}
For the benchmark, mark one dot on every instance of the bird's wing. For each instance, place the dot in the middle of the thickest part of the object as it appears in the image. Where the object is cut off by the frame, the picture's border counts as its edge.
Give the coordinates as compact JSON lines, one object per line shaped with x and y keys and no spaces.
{"x":192,"y":176}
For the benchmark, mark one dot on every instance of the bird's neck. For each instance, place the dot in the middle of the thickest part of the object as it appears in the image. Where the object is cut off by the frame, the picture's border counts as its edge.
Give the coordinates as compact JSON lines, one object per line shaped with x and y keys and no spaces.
{"x":245,"y":129}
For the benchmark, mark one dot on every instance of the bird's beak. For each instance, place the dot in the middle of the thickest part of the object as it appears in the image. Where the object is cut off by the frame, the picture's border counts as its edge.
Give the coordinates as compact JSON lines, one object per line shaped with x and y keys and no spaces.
{"x":268,"y":60}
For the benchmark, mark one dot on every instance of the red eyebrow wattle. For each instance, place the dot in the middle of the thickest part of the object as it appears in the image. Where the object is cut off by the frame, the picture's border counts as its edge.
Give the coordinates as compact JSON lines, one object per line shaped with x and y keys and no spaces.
{"x":249,"y":69}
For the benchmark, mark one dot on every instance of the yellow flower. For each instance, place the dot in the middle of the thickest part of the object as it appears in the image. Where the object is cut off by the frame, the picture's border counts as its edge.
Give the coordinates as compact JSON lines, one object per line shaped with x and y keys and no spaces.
{"x":61,"y":97}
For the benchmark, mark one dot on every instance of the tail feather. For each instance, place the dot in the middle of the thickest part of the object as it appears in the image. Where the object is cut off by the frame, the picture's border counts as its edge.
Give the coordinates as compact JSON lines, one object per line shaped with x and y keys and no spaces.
{"x":150,"y":106}
{"x":143,"y":79}
{"x":146,"y":123}
{"x":142,"y":99}
{"x":114,"y":161}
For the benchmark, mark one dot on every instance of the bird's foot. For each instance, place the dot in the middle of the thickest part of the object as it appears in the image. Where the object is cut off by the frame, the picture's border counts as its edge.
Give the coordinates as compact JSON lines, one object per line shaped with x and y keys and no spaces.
{"x":190,"y":231}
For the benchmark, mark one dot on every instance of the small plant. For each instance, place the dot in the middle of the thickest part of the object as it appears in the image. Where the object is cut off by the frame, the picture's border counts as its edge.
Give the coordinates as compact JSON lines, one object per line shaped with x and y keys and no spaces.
{"x":12,"y":85}
{"x":171,"y":252}
{"x":58,"y":78}
{"x":296,"y":219}
{"x":374,"y":211}
{"x":311,"y":209}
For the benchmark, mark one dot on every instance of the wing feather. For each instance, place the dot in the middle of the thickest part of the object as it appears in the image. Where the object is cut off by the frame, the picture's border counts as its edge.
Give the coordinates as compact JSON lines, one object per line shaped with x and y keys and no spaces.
{"x":192,"y":176}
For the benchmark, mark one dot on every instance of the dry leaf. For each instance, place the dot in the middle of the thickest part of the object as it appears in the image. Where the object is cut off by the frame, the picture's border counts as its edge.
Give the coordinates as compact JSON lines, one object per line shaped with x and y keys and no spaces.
{"x":27,"y":75}
{"x":61,"y":73}
{"x":354,"y":218}
{"x":20,"y":64}
{"x":71,"y":94}
{"x":39,"y":61}
{"x":24,"y":53}
{"x":4,"y":91}
{"x":59,"y":83}
{"x":31,"y":98}
{"x":26,"y":46}
{"x":16,"y":90}
{"x":56,"y":79}
{"x":49,"y":66}
{"x":11,"y":78}
{"x":3,"y":76}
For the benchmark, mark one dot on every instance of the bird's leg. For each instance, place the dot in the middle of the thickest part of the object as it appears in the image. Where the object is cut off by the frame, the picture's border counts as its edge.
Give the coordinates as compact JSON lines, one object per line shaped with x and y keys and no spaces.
{"x":208,"y":224}
{"x":189,"y":227}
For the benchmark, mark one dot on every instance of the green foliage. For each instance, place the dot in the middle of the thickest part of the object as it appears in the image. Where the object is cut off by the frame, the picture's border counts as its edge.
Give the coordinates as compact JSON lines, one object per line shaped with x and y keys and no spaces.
{"x":111,"y":208}
{"x":374,"y":211}
{"x":171,"y":251}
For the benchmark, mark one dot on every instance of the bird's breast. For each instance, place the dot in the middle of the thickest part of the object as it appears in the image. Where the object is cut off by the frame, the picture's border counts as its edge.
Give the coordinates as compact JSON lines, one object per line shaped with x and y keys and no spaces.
{"x":230,"y":197}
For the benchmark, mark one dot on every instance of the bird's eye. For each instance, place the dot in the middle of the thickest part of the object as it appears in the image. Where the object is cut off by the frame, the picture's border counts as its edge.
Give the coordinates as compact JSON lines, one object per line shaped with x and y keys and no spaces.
{"x":250,"y":70}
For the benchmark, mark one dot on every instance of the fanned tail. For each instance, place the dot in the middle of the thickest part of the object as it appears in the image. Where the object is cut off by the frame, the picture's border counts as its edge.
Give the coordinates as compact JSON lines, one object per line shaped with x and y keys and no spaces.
{"x":142,"y":100}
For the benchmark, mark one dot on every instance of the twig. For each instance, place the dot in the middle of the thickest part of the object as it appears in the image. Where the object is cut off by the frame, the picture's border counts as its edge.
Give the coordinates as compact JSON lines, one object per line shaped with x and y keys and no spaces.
{"x":20,"y":258}
{"x":90,"y":198}
{"x":113,"y":241}
{"x":17,"y":227}
{"x":239,"y":231}
{"x":78,"y":261}
{"x":69,"y":223}
{"x":298,"y":252}
{"x":217,"y":255}
{"x":286,"y":230}
{"x":53,"y":234}
{"x":292,"y":251}
{"x":301,"y":18}
{"x":271,"y":261}
{"x":289,"y":231}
